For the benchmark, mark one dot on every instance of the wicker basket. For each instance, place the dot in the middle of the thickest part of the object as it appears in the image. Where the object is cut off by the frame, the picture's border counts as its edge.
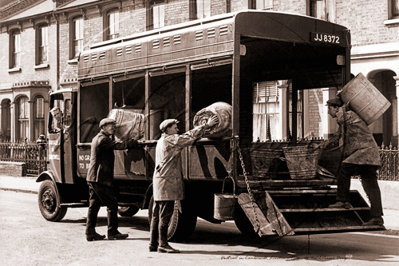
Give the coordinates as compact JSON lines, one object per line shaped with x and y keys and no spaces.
{"x":261,"y":160}
{"x":302,"y":161}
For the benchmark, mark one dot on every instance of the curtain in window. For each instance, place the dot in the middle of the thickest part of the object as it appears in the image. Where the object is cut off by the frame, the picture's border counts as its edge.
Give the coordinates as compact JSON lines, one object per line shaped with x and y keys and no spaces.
{"x":203,"y":8}
{"x":78,"y":36}
{"x":263,"y":4}
{"x":43,"y":44}
{"x":158,"y":18}
{"x":16,"y":55}
{"x":23,"y":118}
{"x":39,"y":117}
{"x":113,"y":25}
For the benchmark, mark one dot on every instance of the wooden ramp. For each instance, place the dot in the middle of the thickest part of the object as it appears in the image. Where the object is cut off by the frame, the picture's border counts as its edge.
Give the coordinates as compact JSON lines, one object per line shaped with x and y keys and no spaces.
{"x":264,"y":215}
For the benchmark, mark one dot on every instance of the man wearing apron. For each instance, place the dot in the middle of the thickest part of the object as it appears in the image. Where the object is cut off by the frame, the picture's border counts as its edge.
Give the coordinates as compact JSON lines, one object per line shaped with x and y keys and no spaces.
{"x":168,"y":180}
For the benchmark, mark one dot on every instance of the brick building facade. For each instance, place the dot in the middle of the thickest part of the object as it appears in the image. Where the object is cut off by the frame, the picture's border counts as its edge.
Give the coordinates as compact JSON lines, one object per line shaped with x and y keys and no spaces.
{"x":75,"y":25}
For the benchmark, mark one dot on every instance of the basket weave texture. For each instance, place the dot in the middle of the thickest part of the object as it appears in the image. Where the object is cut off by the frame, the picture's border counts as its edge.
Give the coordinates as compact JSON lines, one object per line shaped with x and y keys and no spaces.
{"x":302,"y":161}
{"x":262,"y":160}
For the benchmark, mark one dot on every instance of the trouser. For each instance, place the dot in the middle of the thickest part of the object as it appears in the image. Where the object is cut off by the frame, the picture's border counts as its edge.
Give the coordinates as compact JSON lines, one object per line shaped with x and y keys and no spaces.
{"x":102,"y":195}
{"x":368,"y":174}
{"x":161,"y":213}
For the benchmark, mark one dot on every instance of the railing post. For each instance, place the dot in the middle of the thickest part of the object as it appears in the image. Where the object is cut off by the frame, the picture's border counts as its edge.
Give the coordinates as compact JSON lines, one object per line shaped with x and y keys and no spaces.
{"x":42,"y":146}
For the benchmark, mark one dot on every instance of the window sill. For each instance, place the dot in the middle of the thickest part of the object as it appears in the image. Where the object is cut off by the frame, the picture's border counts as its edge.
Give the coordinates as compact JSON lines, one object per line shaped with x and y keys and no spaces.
{"x":73,"y":61}
{"x":391,"y":21}
{"x":45,"y":65}
{"x":15,"y":69}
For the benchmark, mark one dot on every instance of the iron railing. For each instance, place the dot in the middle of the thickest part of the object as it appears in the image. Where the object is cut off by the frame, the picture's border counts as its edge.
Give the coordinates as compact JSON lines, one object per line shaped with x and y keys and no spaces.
{"x":30,"y":153}
{"x":389,"y":163}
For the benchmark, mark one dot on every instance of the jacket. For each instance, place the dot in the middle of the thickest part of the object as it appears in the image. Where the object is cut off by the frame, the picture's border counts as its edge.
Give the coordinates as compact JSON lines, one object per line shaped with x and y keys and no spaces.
{"x":101,"y":168}
{"x":168,"y":178}
{"x":359,"y":144}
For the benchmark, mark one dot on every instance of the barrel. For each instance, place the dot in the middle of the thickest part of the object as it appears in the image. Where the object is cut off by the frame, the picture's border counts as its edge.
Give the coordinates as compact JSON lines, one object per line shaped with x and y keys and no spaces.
{"x":223,"y":112}
{"x":364,"y":99}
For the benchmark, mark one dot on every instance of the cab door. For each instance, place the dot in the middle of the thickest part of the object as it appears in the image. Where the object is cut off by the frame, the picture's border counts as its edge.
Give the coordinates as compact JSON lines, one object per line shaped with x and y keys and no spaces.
{"x":62,"y":137}
{"x":55,"y":142}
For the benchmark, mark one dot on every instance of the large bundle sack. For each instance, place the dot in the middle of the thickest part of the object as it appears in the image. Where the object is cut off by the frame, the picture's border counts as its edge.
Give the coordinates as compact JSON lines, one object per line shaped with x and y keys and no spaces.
{"x":223,"y":111}
{"x":129,"y":124}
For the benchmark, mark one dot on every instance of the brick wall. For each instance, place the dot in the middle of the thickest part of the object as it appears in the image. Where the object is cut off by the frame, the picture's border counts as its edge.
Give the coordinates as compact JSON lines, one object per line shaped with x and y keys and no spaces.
{"x":13,"y":169}
{"x":366,"y":22}
{"x":28,"y":60}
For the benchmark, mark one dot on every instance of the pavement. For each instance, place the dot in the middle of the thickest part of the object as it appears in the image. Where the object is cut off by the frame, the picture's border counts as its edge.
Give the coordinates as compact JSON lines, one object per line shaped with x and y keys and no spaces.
{"x":389,"y":194}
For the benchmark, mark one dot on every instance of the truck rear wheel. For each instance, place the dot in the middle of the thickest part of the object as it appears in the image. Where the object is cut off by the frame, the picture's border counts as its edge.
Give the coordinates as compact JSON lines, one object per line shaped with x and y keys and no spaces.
{"x":49,"y":202}
{"x":128,"y":211}
{"x":243,"y":224}
{"x":181,"y":225}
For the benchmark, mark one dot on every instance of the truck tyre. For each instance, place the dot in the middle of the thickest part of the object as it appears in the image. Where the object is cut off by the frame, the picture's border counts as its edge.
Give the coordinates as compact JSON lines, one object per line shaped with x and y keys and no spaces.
{"x":243,"y":224}
{"x":49,"y":202}
{"x":128,"y":211}
{"x":181,"y":225}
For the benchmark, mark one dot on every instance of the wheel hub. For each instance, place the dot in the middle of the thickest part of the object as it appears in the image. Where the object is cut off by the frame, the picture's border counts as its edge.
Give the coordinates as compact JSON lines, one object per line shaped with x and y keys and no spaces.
{"x":48,"y":200}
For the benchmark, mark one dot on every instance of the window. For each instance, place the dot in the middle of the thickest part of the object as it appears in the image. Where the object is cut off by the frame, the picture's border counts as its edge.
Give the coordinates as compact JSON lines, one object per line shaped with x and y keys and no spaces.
{"x":393,"y":9}
{"x":42,"y":44}
{"x":203,"y":8}
{"x":266,"y":117}
{"x":77,"y":37}
{"x":155,"y":14}
{"x":23,"y":118}
{"x":112,"y":24}
{"x":261,"y":4}
{"x":15,"y":45}
{"x":38,"y":116}
{"x":322,"y":9}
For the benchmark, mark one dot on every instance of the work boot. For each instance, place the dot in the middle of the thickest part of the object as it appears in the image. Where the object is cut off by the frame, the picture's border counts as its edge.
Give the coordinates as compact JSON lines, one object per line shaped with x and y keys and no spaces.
{"x":152,"y":248}
{"x":117,"y":236}
{"x":341,"y":204}
{"x":95,"y":236}
{"x":375,"y":221}
{"x":167,"y":249}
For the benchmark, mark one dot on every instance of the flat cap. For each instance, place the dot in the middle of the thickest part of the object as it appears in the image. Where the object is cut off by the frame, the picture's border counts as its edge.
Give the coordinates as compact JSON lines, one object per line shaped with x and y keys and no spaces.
{"x":335,"y":102}
{"x":167,"y":123}
{"x":107,"y":121}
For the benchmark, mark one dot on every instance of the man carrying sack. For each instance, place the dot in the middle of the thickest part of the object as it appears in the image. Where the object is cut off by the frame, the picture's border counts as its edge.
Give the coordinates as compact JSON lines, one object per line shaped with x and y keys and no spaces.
{"x":360,"y":157}
{"x":168,"y":180}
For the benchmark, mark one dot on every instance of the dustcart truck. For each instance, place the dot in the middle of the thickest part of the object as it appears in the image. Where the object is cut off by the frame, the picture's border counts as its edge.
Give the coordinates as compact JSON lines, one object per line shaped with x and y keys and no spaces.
{"x":275,"y":70}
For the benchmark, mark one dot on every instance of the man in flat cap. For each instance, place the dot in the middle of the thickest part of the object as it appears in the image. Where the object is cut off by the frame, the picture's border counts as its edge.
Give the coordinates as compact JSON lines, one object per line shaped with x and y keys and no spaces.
{"x":100,"y":177}
{"x":360,"y":157}
{"x":167,"y":180}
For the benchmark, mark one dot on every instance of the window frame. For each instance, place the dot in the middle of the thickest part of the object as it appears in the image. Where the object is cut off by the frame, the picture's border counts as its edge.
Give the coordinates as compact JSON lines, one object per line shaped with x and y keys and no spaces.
{"x":39,"y":121}
{"x":252,"y":4}
{"x":393,"y":9}
{"x":107,"y":27}
{"x":150,"y":13}
{"x":72,"y":32}
{"x":23,"y":122}
{"x":12,"y":62}
{"x":39,"y":38}
{"x":204,"y":9}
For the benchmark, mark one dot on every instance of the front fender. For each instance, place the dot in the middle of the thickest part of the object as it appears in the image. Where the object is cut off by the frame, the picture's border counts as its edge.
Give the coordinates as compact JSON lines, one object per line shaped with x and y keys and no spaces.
{"x":46,"y":175}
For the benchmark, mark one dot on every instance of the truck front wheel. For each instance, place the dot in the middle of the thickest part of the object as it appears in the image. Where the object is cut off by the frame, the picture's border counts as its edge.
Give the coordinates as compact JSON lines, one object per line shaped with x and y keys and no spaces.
{"x":181,"y":225}
{"x":49,"y":202}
